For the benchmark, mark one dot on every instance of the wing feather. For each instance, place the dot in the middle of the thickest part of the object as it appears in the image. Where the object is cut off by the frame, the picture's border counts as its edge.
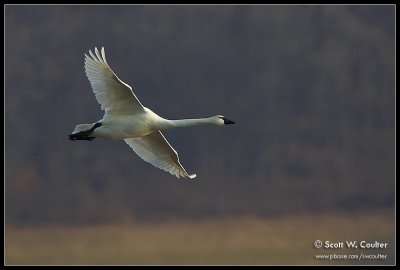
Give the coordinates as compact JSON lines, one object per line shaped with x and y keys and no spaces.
{"x":155,"y":149}
{"x":114,"y":96}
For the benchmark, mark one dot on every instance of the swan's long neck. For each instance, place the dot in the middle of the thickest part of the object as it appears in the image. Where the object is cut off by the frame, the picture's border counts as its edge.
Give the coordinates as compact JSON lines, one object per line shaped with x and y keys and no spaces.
{"x":187,"y":122}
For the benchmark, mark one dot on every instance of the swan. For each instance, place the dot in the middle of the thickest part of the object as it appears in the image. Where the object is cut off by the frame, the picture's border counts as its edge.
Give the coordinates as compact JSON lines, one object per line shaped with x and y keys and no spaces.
{"x":125,"y":118}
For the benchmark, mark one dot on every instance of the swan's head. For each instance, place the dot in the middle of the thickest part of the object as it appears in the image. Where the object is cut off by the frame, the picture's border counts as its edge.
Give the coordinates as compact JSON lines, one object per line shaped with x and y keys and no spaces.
{"x":222,"y":120}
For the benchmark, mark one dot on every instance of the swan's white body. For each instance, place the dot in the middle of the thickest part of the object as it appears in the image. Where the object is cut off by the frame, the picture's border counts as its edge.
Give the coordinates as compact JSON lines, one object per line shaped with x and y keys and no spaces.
{"x":126,"y":118}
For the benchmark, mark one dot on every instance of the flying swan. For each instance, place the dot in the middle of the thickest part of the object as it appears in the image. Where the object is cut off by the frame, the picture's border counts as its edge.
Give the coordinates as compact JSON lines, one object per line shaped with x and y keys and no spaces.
{"x":126,"y":118}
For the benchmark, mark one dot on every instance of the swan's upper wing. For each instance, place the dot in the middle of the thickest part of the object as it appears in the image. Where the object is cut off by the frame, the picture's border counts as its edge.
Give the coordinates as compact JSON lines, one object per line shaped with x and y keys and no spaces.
{"x":155,"y":149}
{"x":114,"y":96}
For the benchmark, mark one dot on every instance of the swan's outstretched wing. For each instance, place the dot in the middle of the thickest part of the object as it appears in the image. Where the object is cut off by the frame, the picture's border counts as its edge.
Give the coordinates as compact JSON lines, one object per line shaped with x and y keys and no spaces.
{"x":114,"y":96}
{"x":155,"y":149}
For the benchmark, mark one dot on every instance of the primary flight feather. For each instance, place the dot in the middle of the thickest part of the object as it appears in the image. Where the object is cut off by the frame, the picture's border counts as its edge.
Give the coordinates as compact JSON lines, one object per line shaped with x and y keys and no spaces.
{"x":125,"y":118}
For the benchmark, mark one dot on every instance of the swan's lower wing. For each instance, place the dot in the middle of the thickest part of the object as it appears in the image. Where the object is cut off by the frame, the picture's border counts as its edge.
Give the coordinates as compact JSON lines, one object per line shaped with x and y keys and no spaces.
{"x":155,"y":149}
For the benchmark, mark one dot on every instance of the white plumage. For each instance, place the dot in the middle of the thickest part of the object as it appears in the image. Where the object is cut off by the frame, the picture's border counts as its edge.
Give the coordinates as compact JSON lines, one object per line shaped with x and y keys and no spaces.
{"x":126,"y":118}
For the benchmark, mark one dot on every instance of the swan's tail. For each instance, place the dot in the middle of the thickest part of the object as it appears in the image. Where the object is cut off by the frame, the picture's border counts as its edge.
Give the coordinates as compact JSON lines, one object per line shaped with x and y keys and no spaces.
{"x":82,"y":127}
{"x":83,"y":132}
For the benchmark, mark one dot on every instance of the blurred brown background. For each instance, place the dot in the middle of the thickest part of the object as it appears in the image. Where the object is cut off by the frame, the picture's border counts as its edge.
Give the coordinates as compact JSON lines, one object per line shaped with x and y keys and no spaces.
{"x":311,"y":88}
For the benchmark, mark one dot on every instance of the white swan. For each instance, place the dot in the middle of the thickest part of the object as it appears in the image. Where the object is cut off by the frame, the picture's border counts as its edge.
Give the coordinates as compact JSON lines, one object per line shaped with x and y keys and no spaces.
{"x":126,"y":118}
